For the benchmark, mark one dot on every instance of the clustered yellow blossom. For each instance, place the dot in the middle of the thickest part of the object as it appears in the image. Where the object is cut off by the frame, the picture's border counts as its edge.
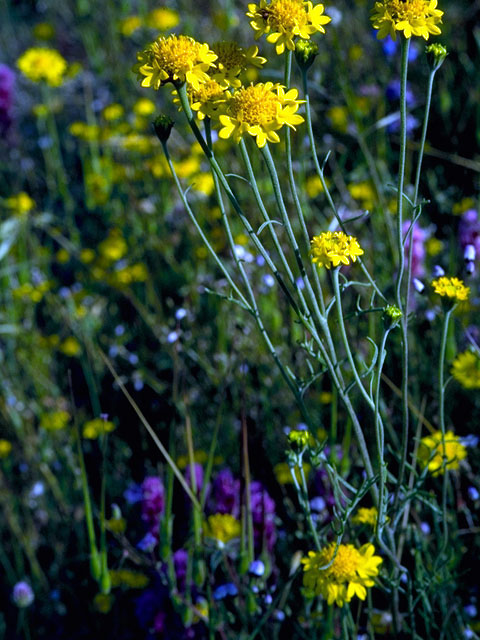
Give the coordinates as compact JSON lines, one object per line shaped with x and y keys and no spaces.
{"x":466,"y":369}
{"x":222,"y":527}
{"x":437,"y":457}
{"x":20,"y":204}
{"x":350,"y":573}
{"x":55,"y":420}
{"x":301,"y":437}
{"x":5,"y":448}
{"x":451,"y":288}
{"x":366,"y":516}
{"x":284,"y":20}
{"x":43,"y":65}
{"x":412,"y":17}
{"x":70,"y":347}
{"x":333,"y":248}
{"x":259,"y":110}
{"x":175,"y":59}
{"x":232,"y":60}
{"x":96,"y":427}
{"x":34,"y":293}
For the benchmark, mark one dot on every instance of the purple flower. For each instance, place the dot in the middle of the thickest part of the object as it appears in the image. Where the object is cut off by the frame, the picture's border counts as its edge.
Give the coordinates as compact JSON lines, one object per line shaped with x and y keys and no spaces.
{"x":180,"y":563}
{"x":263,"y":516}
{"x":22,"y":594}
{"x":7,"y":87}
{"x":416,"y":240}
{"x":133,"y":493}
{"x":153,"y":502}
{"x":412,"y":124}
{"x":198,"y":476}
{"x":392,"y":93}
{"x":226,"y":494}
{"x":469,"y":230}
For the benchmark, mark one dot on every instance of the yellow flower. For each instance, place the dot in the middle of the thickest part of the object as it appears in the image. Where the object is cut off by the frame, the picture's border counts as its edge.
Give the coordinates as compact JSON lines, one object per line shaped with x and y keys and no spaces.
{"x":333,"y":248}
{"x":103,"y":602}
{"x":5,"y":448}
{"x":114,"y":246}
{"x":84,"y":131}
{"x":222,"y":527}
{"x":116,"y":525}
{"x":350,"y":573}
{"x":464,"y":205}
{"x":338,"y":116}
{"x":113,"y":111}
{"x":20,"y":204}
{"x":206,"y":100}
{"x":259,"y":110}
{"x":130,"y":25}
{"x":93,"y":428}
{"x":128,"y":578}
{"x":162,"y":19}
{"x":70,"y":347}
{"x":43,"y":65}
{"x":301,"y":437}
{"x":55,"y":420}
{"x":413,"y":17}
{"x":284,"y":20}
{"x":366,"y":516}
{"x":283,"y":473}
{"x":203,"y":183}
{"x":174,"y":59}
{"x":144,"y":107}
{"x":364,"y":192}
{"x":43,"y":31}
{"x":466,"y":369}
{"x":431,"y":452}
{"x":233,"y":60}
{"x":451,"y":288}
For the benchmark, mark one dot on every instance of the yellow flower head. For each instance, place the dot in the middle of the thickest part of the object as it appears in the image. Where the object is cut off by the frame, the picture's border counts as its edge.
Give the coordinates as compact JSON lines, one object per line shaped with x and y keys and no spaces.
{"x":431,"y":452}
{"x":350,"y":573}
{"x":301,"y":437}
{"x":55,"y":420}
{"x":233,"y":60}
{"x":466,"y":369}
{"x":284,"y":20}
{"x":43,"y":65}
{"x":222,"y":527}
{"x":70,"y":347}
{"x":259,"y":110}
{"x":366,"y":516}
{"x":334,"y":248}
{"x":413,"y":17}
{"x":174,"y":59}
{"x":162,"y":19}
{"x":94,"y":428}
{"x":144,"y":107}
{"x":206,"y":100}
{"x":451,"y":288}
{"x":21,"y":203}
{"x":5,"y":448}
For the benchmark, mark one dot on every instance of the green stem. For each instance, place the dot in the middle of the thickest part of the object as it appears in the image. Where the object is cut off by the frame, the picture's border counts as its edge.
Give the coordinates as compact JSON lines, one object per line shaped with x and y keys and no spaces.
{"x":380,"y":436}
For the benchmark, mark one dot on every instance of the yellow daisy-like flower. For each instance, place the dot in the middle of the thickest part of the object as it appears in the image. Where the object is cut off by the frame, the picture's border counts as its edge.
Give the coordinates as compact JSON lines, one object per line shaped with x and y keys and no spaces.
{"x":174,"y":59}
{"x":284,"y":20}
{"x":451,"y":288}
{"x":162,"y":19}
{"x":233,"y":60}
{"x":350,"y":573}
{"x":466,"y":369}
{"x":431,"y":452}
{"x":259,"y":110}
{"x":333,"y":248}
{"x":43,"y":65}
{"x":5,"y":448}
{"x":94,"y":428}
{"x":55,"y":420}
{"x":206,"y":100}
{"x":21,"y":203}
{"x":366,"y":516}
{"x":222,"y":527}
{"x":413,"y":17}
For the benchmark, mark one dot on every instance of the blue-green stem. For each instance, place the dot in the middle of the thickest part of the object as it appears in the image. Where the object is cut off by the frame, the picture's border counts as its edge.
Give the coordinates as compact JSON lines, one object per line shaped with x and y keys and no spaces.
{"x":302,"y":492}
{"x":405,"y":44}
{"x":441,"y":421}
{"x":320,"y":173}
{"x":380,"y":436}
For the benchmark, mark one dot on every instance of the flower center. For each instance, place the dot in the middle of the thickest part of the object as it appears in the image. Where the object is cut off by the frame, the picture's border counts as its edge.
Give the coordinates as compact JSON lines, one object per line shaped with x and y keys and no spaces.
{"x":230,"y":55}
{"x":254,"y":105}
{"x":285,"y":15}
{"x":345,"y":565}
{"x":407,"y":9}
{"x":176,"y":54}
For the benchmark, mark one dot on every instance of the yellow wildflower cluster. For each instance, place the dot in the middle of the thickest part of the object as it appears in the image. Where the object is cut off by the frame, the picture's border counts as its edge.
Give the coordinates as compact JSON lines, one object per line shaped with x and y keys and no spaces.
{"x":366,"y":516}
{"x":96,"y":427}
{"x":161,"y":19}
{"x":451,"y":288}
{"x":350,"y":573}
{"x":20,"y":204}
{"x":32,"y":292}
{"x":259,"y":110}
{"x":284,"y":20}
{"x":437,"y":457}
{"x":43,"y":65}
{"x":466,"y":369}
{"x":55,"y":420}
{"x":232,"y":61}
{"x":5,"y":448}
{"x":333,"y":248}
{"x":70,"y":347}
{"x":300,"y":437}
{"x":222,"y":527}
{"x":412,"y":17}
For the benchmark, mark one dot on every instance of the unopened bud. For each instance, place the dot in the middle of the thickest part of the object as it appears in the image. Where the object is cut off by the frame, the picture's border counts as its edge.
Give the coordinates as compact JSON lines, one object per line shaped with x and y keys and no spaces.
{"x":391,"y":315}
{"x":418,"y":285}
{"x":436,"y":54}
{"x":470,"y":268}
{"x":163,"y":126}
{"x":469,"y":254}
{"x":305,"y":53}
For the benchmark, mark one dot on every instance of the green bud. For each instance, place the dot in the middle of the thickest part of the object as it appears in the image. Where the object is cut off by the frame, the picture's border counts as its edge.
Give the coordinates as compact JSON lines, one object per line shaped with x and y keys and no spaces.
{"x":305,"y":53}
{"x":436,"y":54}
{"x":391,"y":315}
{"x":163,"y":126}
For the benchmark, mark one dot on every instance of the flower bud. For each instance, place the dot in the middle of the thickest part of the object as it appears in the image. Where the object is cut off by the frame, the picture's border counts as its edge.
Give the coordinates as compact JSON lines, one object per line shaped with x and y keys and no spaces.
{"x":305,"y":53}
{"x":469,"y":254}
{"x":163,"y":126}
{"x":436,"y":54}
{"x":391,"y":315}
{"x":418,"y":285}
{"x":438,"y":271}
{"x":23,"y":595}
